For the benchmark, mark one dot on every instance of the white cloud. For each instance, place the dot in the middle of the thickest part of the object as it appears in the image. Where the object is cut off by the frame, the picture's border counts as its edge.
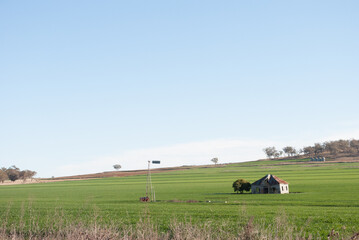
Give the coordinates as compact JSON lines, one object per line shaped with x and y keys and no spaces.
{"x":344,"y":135}
{"x":194,"y":153}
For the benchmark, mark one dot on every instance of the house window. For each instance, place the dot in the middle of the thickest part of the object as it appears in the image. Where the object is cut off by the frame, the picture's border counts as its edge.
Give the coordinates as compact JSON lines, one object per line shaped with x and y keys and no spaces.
{"x":282,"y":188}
{"x":286,"y":188}
{"x":257,"y":189}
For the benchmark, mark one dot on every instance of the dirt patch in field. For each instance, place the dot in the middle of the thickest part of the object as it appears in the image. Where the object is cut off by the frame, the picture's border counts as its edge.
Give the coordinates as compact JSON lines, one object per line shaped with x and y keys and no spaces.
{"x":119,"y":173}
{"x":134,"y":172}
{"x":27,"y":181}
{"x":105,"y":175}
{"x":315,"y":165}
{"x":346,"y":159}
{"x":34,"y":181}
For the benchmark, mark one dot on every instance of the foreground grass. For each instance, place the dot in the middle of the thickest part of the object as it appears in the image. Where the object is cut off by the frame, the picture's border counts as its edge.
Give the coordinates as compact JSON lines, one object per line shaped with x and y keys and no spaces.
{"x":58,"y":226}
{"x":324,"y":197}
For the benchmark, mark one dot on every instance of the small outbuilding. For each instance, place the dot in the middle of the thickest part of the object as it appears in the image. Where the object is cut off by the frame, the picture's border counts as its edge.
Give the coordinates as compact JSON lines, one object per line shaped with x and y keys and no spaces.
{"x":270,"y":184}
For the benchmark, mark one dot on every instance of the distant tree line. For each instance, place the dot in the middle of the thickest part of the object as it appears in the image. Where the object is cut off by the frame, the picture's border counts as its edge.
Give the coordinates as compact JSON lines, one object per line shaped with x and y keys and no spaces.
{"x":329,"y":149}
{"x":14,"y":173}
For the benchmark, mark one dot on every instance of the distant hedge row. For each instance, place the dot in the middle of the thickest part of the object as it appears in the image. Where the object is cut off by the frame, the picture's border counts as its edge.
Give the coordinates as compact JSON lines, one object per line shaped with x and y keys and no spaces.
{"x":329,"y":148}
{"x":14,"y":173}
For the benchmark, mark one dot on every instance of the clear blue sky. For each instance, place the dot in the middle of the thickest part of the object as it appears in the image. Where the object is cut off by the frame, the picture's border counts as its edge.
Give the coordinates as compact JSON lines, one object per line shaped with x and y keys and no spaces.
{"x":87,"y":84}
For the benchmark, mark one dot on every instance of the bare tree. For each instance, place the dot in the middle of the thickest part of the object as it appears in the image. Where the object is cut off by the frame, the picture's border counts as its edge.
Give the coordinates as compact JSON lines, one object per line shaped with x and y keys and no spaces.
{"x":295,"y":152}
{"x":270,"y":152}
{"x":354,"y":145}
{"x":331,"y":147}
{"x":290,"y":151}
{"x":214,"y":160}
{"x":3,"y":176}
{"x":318,"y":149}
{"x":13,"y":173}
{"x":117,"y":166}
{"x":308,"y":150}
{"x":300,"y":151}
{"x":280,"y":153}
{"x":26,"y":174}
{"x":344,"y":146}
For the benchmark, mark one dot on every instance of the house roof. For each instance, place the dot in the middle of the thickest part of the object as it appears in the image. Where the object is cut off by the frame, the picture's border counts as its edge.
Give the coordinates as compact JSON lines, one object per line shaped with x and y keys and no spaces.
{"x":271,"y":179}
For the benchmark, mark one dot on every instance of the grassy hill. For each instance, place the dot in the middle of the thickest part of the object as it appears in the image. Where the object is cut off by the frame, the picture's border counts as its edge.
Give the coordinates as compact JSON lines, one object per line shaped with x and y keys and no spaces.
{"x":324,"y":196}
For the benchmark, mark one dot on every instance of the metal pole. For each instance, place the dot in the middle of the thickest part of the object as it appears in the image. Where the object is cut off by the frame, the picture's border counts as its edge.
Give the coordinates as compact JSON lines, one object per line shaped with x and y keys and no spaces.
{"x":150,"y":183}
{"x":148,"y":180}
{"x":152,"y":192}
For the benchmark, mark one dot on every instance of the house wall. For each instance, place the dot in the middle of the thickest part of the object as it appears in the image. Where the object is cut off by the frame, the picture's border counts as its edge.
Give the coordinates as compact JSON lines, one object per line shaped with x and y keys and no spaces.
{"x":261,"y":189}
{"x":255,"y":189}
{"x":264,"y":188}
{"x":284,"y":188}
{"x":275,"y":189}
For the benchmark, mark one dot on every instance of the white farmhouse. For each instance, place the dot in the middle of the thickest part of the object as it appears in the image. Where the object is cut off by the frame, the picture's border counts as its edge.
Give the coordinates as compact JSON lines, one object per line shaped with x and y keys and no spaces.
{"x":270,"y":184}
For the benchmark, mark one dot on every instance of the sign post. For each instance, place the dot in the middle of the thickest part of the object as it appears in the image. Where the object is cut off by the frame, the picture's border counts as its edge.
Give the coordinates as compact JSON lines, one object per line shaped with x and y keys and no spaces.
{"x":150,"y":192}
{"x":154,"y":193}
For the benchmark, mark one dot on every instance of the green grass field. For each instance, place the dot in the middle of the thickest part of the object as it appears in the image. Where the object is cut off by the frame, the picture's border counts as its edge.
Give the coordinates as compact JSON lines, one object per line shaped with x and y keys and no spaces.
{"x":323,"y":196}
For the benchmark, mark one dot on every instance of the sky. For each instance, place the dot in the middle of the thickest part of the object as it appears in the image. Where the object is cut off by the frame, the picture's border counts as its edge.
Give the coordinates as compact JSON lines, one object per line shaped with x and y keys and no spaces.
{"x":88,"y":84}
